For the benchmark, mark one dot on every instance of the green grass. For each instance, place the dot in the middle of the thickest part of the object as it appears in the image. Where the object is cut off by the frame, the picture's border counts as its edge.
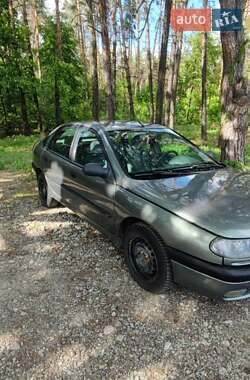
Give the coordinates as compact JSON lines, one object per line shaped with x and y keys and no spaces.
{"x":16,"y":153}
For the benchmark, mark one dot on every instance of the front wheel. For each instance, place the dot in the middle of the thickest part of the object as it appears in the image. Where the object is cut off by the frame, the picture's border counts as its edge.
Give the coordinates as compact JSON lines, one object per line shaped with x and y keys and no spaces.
{"x":147,"y":259}
{"x":45,"y":199}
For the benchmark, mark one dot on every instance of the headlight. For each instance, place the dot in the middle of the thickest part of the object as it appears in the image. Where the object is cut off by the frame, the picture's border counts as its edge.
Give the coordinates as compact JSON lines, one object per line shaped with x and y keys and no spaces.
{"x":231,"y":249}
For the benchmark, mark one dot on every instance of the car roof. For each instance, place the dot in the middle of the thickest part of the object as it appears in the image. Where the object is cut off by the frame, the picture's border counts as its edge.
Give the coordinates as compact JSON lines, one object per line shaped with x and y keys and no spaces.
{"x":119,"y":126}
{"x":130,"y":125}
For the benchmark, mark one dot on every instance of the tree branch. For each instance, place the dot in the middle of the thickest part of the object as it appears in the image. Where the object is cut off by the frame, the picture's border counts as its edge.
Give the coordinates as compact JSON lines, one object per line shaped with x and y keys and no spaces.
{"x":146,"y":20}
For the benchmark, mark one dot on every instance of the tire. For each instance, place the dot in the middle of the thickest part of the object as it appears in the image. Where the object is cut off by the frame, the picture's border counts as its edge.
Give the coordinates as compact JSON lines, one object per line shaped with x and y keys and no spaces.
{"x":147,"y":259}
{"x":45,"y":199}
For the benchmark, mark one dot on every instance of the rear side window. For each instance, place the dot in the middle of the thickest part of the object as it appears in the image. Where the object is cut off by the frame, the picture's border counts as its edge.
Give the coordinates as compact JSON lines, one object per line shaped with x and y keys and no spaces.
{"x":62,"y":140}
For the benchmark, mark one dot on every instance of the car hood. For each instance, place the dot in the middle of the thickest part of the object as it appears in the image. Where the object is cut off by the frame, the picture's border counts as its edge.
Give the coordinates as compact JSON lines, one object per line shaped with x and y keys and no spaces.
{"x":216,"y":200}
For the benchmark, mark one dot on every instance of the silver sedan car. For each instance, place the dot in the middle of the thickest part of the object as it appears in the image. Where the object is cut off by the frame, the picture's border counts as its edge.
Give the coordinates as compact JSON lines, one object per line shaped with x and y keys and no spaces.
{"x":180,"y":216}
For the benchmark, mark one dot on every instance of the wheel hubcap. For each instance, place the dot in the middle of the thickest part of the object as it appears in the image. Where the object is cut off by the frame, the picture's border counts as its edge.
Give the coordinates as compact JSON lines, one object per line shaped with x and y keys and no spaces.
{"x":143,"y":258}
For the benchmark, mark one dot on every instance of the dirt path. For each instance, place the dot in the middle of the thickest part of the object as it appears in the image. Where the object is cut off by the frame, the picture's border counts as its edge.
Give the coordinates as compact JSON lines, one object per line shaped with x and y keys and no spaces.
{"x":69,"y":310}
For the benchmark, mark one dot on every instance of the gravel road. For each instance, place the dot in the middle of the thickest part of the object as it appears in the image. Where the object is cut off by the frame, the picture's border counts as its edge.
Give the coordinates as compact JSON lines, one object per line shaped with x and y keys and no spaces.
{"x":69,"y":309}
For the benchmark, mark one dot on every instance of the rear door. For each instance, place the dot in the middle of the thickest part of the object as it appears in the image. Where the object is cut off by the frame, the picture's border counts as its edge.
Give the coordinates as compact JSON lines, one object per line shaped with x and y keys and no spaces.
{"x":93,"y":196}
{"x":56,"y":162}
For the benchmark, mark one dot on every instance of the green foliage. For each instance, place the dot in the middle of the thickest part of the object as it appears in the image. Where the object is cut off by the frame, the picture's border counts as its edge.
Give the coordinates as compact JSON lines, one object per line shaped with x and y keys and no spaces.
{"x":237,"y":165}
{"x":189,"y":89}
{"x":14,"y":75}
{"x":16,"y":66}
{"x":142,"y":105}
{"x":73,"y":81}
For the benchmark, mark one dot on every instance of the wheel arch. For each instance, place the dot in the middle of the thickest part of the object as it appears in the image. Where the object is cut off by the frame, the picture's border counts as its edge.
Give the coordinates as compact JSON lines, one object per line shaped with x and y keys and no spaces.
{"x":129,"y":221}
{"x":36,"y":169}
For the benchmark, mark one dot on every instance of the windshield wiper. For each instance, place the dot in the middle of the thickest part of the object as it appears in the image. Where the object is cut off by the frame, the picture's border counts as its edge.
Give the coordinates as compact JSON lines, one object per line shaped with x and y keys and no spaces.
{"x":159,"y":173}
{"x":179,"y":171}
{"x":202,"y":165}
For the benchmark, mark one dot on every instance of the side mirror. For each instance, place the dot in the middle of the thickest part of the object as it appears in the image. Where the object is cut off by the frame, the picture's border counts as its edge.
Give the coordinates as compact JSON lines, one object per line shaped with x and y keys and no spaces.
{"x":210,"y":154}
{"x":95,"y":170}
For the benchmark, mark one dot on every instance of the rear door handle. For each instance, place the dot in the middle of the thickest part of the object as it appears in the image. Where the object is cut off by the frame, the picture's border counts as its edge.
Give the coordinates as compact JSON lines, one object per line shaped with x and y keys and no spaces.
{"x":73,"y":175}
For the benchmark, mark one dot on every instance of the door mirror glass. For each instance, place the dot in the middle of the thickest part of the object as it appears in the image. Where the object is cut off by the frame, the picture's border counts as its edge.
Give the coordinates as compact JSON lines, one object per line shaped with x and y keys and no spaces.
{"x":95,"y":170}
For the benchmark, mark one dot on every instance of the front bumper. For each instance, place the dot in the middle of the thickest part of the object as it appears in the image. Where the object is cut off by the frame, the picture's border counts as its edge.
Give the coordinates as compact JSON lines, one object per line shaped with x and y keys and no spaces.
{"x":209,"y":286}
{"x":215,"y":281}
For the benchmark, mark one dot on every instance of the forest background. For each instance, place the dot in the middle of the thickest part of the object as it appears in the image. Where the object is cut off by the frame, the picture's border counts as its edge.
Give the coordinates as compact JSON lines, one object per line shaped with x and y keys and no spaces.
{"x":73,"y":60}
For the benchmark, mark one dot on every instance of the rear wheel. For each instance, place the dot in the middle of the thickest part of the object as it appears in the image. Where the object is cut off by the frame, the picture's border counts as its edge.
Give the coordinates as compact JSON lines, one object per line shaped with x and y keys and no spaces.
{"x":45,"y":199}
{"x":147,"y":259}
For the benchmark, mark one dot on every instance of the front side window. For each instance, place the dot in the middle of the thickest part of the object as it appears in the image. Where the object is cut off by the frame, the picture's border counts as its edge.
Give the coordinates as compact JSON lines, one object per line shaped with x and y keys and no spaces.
{"x":90,"y":149}
{"x":148,"y":151}
{"x":61,"y":141}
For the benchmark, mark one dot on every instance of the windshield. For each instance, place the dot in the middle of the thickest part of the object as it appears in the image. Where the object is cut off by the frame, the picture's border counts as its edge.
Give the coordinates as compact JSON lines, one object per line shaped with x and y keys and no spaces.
{"x":148,"y":151}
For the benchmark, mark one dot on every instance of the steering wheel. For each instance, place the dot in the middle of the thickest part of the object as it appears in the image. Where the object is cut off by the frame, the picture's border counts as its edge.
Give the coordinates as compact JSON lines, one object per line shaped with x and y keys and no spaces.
{"x":167,"y":156}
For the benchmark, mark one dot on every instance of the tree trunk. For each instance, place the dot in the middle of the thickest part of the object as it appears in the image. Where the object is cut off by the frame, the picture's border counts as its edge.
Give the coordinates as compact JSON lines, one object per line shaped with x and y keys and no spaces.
{"x":162,"y":63}
{"x":107,"y":58}
{"x":138,"y":52}
{"x":9,"y":102}
{"x":189,"y":102}
{"x":4,"y":111}
{"x":95,"y":80}
{"x":10,"y":4}
{"x":156,"y":36}
{"x":149,"y":62}
{"x":31,"y":70}
{"x":173,"y":75}
{"x":35,"y":39}
{"x":235,"y":92}
{"x":81,"y":35}
{"x":58,"y":114}
{"x":26,"y":126}
{"x":204,"y":83}
{"x":114,"y":48}
{"x":58,"y":31}
{"x":126,"y":65}
{"x":169,"y":92}
{"x":172,"y":116}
